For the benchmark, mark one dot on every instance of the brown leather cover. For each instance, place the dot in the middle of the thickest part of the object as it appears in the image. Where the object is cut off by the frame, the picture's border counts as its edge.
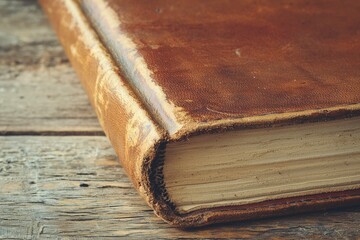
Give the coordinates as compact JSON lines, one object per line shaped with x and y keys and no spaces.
{"x":161,"y":71}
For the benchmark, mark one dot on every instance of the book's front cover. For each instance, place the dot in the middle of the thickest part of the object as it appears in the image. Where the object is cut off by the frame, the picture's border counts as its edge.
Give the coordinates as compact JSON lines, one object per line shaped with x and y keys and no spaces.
{"x":211,"y":61}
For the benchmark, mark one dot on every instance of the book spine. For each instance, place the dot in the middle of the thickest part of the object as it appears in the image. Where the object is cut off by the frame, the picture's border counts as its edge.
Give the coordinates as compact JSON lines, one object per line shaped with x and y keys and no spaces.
{"x":133,"y":133}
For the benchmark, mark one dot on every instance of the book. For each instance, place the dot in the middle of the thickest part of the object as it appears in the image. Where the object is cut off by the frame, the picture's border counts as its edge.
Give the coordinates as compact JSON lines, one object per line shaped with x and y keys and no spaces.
{"x":224,"y":110}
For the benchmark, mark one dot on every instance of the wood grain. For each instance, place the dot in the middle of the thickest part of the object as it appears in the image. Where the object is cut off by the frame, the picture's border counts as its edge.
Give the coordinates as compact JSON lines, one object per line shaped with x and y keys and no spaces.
{"x":39,"y":91}
{"x":74,"y":187}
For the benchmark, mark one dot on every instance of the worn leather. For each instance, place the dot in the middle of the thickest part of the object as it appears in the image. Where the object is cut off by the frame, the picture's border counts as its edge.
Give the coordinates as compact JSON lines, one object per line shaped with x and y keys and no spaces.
{"x":160,"y":71}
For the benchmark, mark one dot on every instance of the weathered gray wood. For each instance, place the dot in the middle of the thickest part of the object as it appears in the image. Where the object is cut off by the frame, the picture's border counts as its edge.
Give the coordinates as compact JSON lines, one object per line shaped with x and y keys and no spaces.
{"x":39,"y":90}
{"x":63,"y":186}
{"x":73,"y":187}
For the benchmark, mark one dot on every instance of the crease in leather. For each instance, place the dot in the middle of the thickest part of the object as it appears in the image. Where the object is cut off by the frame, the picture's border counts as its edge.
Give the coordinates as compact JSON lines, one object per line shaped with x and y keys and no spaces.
{"x":108,"y":26}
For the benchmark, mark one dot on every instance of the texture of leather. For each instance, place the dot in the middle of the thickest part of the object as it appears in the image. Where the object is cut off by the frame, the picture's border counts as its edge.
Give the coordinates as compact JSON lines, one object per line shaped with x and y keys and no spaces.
{"x":160,"y":71}
{"x":197,"y":63}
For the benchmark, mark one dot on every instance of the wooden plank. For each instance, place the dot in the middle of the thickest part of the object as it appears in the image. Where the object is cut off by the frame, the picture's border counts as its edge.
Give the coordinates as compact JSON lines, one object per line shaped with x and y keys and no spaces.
{"x":39,"y":91}
{"x":73,"y":187}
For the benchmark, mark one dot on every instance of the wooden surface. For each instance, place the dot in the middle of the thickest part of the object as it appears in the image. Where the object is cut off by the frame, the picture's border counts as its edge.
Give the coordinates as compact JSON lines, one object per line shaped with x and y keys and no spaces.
{"x":39,"y":91}
{"x":59,"y":177}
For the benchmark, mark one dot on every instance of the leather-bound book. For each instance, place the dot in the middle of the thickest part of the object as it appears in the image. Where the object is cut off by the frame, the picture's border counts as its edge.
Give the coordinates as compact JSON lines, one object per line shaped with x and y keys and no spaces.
{"x":224,"y":110}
